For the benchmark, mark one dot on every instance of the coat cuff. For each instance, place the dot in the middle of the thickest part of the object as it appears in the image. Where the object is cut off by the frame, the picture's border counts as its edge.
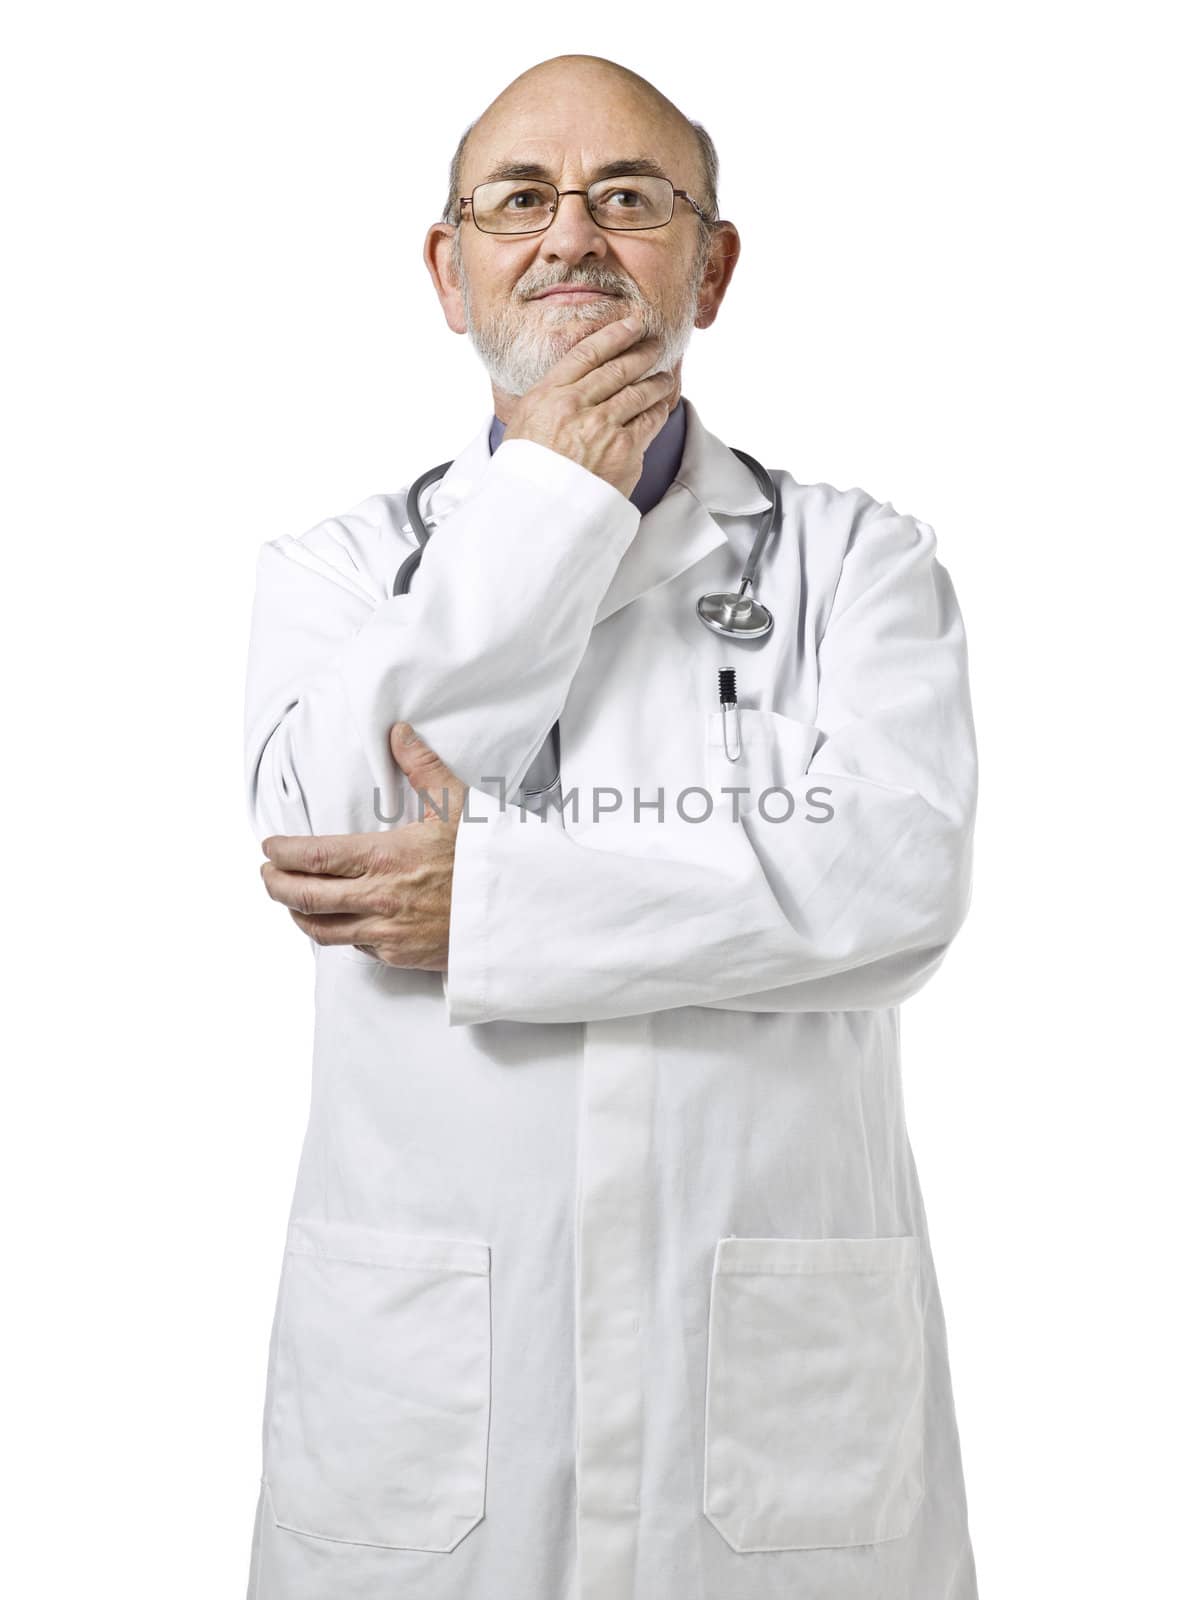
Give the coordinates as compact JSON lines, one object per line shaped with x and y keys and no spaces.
{"x":465,"y":983}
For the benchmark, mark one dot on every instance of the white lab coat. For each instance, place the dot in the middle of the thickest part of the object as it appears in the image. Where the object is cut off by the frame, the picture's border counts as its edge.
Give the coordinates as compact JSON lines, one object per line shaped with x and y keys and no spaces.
{"x":608,"y":1275}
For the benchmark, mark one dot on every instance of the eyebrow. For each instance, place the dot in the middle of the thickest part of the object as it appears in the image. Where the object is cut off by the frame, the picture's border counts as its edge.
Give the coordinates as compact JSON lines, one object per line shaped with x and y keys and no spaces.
{"x":633,"y":166}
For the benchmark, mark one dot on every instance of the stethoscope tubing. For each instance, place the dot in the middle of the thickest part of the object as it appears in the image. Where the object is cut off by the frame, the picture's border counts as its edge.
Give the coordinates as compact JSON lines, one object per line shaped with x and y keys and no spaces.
{"x":749,"y":575}
{"x":416,"y":522}
{"x":768,"y":527}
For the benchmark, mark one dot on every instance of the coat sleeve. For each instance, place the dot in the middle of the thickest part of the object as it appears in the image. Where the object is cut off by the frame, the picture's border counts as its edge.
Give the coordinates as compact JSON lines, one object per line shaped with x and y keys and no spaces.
{"x":850,"y":913}
{"x":481,"y":668}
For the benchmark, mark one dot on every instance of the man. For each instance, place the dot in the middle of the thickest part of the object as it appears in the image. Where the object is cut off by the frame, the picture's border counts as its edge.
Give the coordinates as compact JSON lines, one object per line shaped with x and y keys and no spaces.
{"x":607,"y":1275}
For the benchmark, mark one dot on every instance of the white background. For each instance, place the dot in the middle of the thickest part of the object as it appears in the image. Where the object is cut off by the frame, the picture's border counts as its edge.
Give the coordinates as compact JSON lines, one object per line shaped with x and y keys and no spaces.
{"x":967,"y":286}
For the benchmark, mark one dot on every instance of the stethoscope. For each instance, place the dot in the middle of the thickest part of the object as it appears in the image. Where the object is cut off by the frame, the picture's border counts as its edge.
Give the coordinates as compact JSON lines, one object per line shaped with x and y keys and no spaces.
{"x":734,"y":615}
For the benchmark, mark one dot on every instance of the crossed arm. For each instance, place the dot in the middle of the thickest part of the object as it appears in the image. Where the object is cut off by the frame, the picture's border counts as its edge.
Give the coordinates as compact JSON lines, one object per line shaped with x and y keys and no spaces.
{"x":388,"y":894}
{"x":743,"y":916}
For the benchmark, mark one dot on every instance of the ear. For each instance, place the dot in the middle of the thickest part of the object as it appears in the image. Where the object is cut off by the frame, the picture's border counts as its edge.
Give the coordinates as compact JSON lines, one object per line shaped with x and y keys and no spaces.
{"x":724,"y":248}
{"x":439,"y":259}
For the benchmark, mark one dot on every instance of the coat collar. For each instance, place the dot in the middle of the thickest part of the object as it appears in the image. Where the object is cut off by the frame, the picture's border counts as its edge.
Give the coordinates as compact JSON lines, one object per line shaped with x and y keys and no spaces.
{"x":674,"y":534}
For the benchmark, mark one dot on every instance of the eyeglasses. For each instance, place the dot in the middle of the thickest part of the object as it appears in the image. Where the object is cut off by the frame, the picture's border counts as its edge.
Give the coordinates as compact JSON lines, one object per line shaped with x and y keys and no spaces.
{"x":623,"y":203}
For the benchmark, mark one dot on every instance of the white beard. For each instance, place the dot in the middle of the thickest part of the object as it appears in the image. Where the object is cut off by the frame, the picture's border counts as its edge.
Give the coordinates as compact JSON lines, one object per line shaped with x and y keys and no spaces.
{"x":519,"y":347}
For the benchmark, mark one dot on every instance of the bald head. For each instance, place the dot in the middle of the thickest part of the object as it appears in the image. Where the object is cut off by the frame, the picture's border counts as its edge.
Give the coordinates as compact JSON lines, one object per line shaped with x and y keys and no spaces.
{"x":568,"y":91}
{"x":525,"y":295}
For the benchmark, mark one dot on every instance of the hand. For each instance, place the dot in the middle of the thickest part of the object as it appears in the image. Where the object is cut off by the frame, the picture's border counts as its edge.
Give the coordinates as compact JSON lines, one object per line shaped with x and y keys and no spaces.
{"x":387,"y":894}
{"x":596,"y":407}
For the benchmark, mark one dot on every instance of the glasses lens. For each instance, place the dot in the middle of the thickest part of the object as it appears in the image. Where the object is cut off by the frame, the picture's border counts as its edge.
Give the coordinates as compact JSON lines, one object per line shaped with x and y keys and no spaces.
{"x":511,"y":207}
{"x":629,"y":202}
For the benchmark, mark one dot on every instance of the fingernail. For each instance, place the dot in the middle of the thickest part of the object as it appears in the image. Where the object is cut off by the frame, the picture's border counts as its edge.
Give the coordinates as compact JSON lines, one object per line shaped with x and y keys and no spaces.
{"x":632,"y":323}
{"x":407,"y":732}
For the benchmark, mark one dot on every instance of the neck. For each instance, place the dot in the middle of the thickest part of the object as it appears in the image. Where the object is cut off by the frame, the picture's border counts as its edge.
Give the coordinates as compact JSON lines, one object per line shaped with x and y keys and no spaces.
{"x":504,"y":404}
{"x":660,"y":465}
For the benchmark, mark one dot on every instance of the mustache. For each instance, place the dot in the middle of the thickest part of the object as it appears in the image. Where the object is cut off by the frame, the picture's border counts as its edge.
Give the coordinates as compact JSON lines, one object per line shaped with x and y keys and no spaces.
{"x":603,"y":281}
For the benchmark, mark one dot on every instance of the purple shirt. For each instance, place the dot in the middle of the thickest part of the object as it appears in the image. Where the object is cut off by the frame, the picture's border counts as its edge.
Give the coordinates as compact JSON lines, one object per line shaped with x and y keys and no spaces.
{"x":662,"y":457}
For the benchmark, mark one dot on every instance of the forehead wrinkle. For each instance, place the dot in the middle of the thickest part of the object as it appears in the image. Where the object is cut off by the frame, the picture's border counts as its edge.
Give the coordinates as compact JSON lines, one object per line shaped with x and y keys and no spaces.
{"x":633,"y":166}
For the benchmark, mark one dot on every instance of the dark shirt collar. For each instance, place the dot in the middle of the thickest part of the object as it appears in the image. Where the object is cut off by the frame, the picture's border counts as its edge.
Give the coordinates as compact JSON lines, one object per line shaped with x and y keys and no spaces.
{"x":662,"y":457}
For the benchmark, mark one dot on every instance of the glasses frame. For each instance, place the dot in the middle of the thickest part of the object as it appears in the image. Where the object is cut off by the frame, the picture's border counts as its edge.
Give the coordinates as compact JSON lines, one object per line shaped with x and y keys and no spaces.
{"x":560,"y":194}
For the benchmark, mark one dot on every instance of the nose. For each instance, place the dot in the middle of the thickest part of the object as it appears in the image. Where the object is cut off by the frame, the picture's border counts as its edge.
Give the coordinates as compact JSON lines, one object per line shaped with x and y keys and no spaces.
{"x":574,"y":232}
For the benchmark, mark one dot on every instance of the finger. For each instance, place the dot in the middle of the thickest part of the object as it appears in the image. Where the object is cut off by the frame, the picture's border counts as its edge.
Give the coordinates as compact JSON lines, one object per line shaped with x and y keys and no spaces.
{"x":309,"y":892}
{"x":346,"y":854}
{"x":638,"y":397}
{"x":592,"y":352}
{"x":597,"y":385}
{"x":644,"y":426}
{"x":420,"y":764}
{"x":336,"y":929}
{"x":440,"y":792}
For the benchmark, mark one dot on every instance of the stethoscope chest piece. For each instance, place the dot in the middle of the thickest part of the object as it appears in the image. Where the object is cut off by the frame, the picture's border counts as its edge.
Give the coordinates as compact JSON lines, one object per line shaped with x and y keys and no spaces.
{"x":736,"y":616}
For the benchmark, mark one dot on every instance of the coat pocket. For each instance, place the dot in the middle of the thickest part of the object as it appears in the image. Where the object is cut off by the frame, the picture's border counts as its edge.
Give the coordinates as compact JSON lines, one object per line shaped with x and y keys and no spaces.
{"x":774,"y":754}
{"x":814,"y":1431}
{"x":381,"y":1388}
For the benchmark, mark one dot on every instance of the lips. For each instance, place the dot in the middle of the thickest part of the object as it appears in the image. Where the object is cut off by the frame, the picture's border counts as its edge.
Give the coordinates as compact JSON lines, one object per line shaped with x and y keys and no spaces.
{"x":571,"y":289}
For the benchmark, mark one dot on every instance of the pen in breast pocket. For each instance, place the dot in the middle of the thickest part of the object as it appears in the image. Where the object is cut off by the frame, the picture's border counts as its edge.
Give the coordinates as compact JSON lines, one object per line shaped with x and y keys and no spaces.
{"x":728,"y":705}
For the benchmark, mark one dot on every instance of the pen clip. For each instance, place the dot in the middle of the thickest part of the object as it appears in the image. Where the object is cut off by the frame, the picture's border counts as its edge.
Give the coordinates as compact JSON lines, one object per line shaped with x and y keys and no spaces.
{"x":728,"y":702}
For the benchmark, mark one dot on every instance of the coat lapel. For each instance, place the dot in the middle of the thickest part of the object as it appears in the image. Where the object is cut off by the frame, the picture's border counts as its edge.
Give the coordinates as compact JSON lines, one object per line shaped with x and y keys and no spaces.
{"x":676,"y":533}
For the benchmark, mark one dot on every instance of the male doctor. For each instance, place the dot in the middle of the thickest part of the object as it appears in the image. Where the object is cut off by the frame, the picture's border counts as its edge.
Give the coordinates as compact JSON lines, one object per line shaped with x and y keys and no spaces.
{"x":607,"y":1275}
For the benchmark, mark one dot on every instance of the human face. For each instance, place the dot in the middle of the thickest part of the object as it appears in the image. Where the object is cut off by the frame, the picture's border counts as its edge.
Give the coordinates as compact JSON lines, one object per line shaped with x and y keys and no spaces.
{"x":566,"y":121}
{"x":562,"y":294}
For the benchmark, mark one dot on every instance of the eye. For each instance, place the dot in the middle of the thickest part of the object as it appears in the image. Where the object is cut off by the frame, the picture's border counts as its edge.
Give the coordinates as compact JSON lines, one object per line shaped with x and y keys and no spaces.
{"x":533,"y":196}
{"x":622,"y":199}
